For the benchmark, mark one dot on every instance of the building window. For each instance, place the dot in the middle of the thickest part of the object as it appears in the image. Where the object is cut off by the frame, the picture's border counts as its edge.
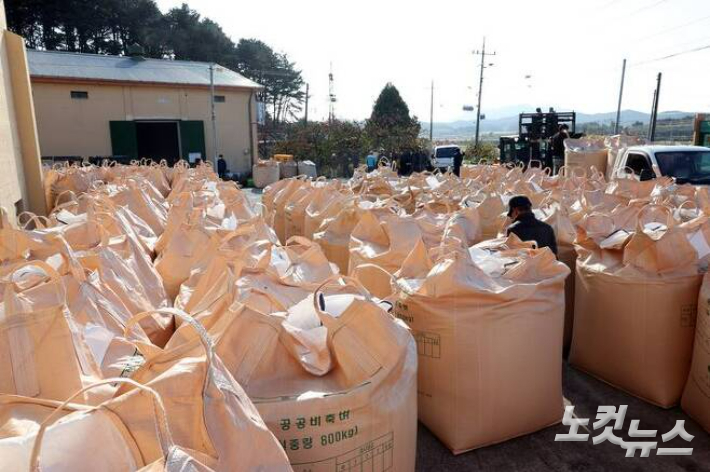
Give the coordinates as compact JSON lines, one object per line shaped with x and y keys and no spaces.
{"x":220,"y":99}
{"x":79,"y":94}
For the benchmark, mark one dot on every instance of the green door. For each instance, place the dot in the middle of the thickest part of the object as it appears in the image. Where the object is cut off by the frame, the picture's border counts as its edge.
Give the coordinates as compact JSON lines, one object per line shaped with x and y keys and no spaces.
{"x":124,"y":141}
{"x":192,"y":138}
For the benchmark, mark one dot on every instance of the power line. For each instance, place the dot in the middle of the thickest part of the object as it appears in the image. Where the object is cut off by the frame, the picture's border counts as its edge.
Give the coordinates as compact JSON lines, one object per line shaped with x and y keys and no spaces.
{"x":647,"y":7}
{"x":662,"y":32}
{"x":607,"y":5}
{"x":670,"y":56}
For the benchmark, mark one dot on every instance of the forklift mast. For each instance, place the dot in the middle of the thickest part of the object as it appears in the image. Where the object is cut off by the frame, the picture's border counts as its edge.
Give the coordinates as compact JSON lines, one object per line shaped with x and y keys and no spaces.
{"x":534,"y":133}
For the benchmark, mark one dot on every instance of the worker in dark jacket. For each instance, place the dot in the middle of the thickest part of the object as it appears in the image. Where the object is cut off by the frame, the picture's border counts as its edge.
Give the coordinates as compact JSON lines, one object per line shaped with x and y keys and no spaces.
{"x":221,"y":166}
{"x":527,"y":227}
{"x":558,"y":146}
{"x":458,"y":160}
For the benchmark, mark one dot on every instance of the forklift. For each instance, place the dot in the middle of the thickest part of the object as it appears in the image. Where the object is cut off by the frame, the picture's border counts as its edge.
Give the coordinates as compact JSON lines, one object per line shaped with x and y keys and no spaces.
{"x":533,"y":140}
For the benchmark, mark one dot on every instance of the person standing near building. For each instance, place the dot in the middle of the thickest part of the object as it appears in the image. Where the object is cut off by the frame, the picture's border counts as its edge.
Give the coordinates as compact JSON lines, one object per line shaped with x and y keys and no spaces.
{"x":221,"y":166}
{"x":558,"y":146}
{"x":527,"y":227}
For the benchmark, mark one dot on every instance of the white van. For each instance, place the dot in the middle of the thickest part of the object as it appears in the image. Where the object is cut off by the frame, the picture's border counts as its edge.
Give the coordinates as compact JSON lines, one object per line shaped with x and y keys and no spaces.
{"x":444,"y":156}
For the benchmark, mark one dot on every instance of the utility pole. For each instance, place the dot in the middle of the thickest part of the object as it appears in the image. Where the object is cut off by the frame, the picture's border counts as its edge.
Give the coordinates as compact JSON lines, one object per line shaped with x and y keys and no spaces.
{"x":483,"y":55}
{"x":653,"y":112}
{"x":331,"y":96}
{"x":656,"y":99}
{"x":305,"y":119}
{"x":621,"y":95}
{"x":431,"y":116}
{"x":215,"y":144}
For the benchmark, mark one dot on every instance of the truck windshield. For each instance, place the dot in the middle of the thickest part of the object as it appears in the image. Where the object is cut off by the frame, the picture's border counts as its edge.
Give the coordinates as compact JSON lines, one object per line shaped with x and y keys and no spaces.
{"x":446,"y":152}
{"x":686,"y":166}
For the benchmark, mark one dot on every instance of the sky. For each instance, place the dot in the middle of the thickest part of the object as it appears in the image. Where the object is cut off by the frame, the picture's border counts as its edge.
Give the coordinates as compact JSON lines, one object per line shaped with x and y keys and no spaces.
{"x":562,"y":54}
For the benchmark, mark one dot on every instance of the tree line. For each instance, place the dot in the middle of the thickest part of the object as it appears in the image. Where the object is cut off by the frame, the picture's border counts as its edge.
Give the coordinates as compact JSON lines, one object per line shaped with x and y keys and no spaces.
{"x":337,"y":147}
{"x":121,"y":27}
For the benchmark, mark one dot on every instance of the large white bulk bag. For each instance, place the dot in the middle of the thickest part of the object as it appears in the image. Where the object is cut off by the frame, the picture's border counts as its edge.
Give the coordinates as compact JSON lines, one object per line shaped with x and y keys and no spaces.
{"x":635,"y":308}
{"x":489,"y":338}
{"x":586,"y":153}
{"x":334,"y":381}
{"x":265,"y":173}
{"x":696,"y":397}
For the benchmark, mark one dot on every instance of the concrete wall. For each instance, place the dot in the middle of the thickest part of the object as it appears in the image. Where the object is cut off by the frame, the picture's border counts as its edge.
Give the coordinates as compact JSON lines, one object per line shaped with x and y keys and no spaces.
{"x":71,"y":127}
{"x":21,"y":176}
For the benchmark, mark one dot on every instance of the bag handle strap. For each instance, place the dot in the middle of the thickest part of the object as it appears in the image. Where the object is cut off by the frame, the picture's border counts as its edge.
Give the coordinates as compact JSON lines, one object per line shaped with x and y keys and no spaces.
{"x":662,"y":209}
{"x":326,"y":318}
{"x":160,"y":416}
{"x":41,"y":222}
{"x":203,"y":335}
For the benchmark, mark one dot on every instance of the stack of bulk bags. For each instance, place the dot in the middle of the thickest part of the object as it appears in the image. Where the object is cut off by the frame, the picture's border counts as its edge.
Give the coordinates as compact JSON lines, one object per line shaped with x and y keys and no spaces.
{"x":301,"y":222}
{"x":334,"y":380}
{"x":207,"y":410}
{"x":76,"y":437}
{"x":635,"y":304}
{"x":696,"y":397}
{"x":492,"y":209}
{"x":294,"y":211}
{"x":325,"y":206}
{"x":334,"y":235}
{"x":444,"y":220}
{"x":283,"y":197}
{"x":43,"y":351}
{"x":265,"y":173}
{"x":190,"y":244}
{"x":385,"y":241}
{"x":293,"y":273}
{"x":586,"y":153}
{"x":249,"y":246}
{"x":307,"y":168}
{"x":288,"y":169}
{"x":489,"y":338}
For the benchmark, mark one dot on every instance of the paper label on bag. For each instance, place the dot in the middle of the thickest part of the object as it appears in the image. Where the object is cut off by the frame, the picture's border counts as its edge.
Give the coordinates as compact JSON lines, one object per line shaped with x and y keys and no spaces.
{"x":698,"y":241}
{"x":432,"y":182}
{"x":98,"y":339}
{"x":616,"y":240}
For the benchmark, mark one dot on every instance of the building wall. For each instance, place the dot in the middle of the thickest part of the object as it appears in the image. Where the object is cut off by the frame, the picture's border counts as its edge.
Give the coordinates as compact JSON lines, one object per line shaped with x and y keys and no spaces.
{"x":78,"y":127}
{"x":21,"y":176}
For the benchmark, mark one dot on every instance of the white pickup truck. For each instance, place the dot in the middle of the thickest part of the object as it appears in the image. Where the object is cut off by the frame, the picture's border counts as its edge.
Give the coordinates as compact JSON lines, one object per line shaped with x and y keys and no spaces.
{"x":687,"y":164}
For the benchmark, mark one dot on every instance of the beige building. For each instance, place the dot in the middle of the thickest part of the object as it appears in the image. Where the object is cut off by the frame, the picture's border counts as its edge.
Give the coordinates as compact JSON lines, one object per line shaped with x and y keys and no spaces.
{"x":105,"y":106}
{"x":21,"y":176}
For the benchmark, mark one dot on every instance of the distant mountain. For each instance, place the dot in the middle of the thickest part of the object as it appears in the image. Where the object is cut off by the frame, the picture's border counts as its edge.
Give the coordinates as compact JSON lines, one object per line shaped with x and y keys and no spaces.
{"x":509,"y":124}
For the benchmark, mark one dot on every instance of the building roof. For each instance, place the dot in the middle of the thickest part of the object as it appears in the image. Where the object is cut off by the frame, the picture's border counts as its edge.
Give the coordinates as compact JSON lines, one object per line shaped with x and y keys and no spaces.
{"x":97,"y":67}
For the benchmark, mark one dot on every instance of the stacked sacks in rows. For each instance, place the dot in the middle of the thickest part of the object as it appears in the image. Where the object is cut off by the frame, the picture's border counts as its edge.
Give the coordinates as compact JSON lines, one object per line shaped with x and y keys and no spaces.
{"x":244,"y":284}
{"x":197,"y":222}
{"x":295,"y":207}
{"x":638,"y":278}
{"x":331,"y":374}
{"x":488,"y":324}
{"x":79,"y":179}
{"x":386,"y":239}
{"x":82,"y":304}
{"x":197,"y":406}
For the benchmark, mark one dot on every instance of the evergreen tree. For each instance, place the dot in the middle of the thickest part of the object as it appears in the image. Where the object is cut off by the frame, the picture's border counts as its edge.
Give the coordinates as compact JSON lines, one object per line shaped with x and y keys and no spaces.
{"x":390,"y":127}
